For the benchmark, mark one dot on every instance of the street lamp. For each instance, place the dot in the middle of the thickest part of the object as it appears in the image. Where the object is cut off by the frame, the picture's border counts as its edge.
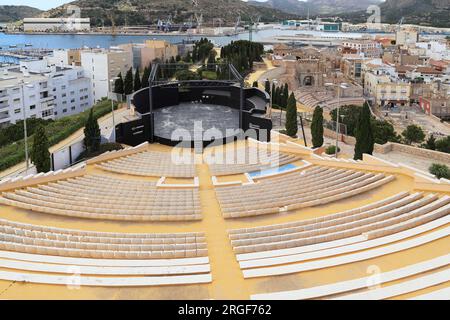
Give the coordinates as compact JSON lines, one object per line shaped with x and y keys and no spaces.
{"x":339,"y":86}
{"x":25,"y":131}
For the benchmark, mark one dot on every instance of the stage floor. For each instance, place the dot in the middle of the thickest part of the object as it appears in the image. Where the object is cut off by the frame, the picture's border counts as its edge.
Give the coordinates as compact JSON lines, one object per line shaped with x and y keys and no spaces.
{"x":192,"y":121}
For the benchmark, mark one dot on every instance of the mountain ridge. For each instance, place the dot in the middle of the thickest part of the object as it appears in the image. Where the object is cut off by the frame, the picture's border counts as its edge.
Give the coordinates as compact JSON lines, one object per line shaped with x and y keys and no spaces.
{"x":12,"y":13}
{"x":142,"y":12}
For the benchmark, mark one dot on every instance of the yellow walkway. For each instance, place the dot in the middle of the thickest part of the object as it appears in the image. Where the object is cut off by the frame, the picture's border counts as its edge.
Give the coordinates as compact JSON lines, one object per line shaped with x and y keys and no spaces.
{"x":228,"y":281}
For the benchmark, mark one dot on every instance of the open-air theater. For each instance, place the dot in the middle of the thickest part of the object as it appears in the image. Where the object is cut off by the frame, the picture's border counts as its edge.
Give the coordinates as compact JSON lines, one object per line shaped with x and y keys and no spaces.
{"x":282,"y":222}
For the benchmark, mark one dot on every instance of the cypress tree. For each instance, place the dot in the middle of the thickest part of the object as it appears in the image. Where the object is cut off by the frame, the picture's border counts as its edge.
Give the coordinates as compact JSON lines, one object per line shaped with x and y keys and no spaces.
{"x":267,"y":87}
{"x":118,"y":84}
{"x":145,"y":76}
{"x":128,"y":82}
{"x":317,"y":128}
{"x":92,"y":135}
{"x":291,"y":116}
{"x":137,"y":81}
{"x":285,"y":95}
{"x":274,"y":94}
{"x":255,"y":84}
{"x":40,"y":155}
{"x":364,"y":137}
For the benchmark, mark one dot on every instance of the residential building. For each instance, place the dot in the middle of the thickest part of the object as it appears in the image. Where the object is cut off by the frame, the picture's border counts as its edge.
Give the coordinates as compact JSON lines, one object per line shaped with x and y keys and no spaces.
{"x":406,"y":37}
{"x":369,"y":48}
{"x":70,"y":88}
{"x":67,"y":57}
{"x":385,"y":90}
{"x":24,"y":94}
{"x":101,"y":66}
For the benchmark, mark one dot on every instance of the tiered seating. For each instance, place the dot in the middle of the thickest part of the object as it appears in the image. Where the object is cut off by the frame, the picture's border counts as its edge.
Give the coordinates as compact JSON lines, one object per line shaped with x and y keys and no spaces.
{"x":334,"y":103}
{"x":151,"y":163}
{"x":359,"y":234}
{"x":251,"y":159}
{"x":102,"y":197}
{"x":361,"y":283}
{"x":176,"y":258}
{"x":296,"y":190}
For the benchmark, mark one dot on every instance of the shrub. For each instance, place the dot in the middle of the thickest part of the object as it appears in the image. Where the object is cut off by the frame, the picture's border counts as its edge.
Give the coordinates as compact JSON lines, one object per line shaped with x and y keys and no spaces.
{"x":440,"y":171}
{"x":331,"y":150}
{"x":443,"y":145}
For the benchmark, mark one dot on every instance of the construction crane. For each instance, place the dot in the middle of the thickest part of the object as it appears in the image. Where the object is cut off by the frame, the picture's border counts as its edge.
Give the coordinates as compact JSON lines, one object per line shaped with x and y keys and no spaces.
{"x":238,"y":22}
{"x":253,"y":20}
{"x":400,"y":23}
{"x":113,"y":23}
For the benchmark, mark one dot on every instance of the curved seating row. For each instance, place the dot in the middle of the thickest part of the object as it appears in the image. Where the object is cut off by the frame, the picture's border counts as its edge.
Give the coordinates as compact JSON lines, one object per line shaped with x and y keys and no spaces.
{"x":348,"y":258}
{"x":51,"y":255}
{"x":26,"y":238}
{"x":356,"y":284}
{"x":354,"y":225}
{"x":296,"y":190}
{"x":151,"y":163}
{"x":357,"y":228}
{"x":98,"y":197}
{"x":249,"y":160}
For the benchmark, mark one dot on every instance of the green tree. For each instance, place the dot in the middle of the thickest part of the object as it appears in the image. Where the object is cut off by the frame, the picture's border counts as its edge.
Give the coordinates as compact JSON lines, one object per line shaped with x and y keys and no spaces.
{"x":317,"y":127}
{"x":384,"y":132}
{"x":40,"y":155}
{"x":443,"y":145}
{"x":291,"y":116}
{"x":128,"y":82}
{"x":349,"y":117}
{"x":363,"y":134}
{"x":137,"y":81}
{"x":274,"y":93}
{"x":92,"y":134}
{"x":145,"y":77}
{"x":440,"y":171}
{"x":413,"y":134}
{"x":285,"y":96}
{"x":118,"y":85}
{"x":430,"y":144}
{"x":267,"y":87}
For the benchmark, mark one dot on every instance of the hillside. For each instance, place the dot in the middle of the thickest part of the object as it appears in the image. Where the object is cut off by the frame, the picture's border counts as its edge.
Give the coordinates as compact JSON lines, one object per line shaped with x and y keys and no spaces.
{"x":423,"y":12}
{"x":140,"y":12}
{"x":15,"y":13}
{"x":317,"y":7}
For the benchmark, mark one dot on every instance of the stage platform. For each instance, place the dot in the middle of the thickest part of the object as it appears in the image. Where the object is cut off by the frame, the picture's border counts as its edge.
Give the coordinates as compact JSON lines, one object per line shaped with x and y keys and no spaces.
{"x":195,"y":119}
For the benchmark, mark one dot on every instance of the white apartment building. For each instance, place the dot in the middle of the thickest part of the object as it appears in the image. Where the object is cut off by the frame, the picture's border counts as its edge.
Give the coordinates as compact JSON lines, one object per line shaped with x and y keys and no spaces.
{"x":70,"y":88}
{"x":56,"y":24}
{"x":435,"y":50}
{"x":102,"y":66}
{"x":24,"y":95}
{"x":36,"y":90}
